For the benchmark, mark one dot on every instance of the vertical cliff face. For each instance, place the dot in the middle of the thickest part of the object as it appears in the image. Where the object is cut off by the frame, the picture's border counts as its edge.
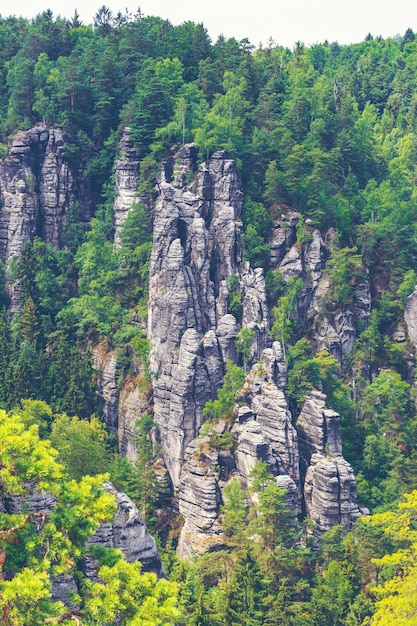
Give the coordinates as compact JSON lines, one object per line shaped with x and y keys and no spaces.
{"x":333,"y":330}
{"x":126,"y":183}
{"x":262,"y":431}
{"x":196,"y":249}
{"x":37,"y":189}
{"x":329,"y":483}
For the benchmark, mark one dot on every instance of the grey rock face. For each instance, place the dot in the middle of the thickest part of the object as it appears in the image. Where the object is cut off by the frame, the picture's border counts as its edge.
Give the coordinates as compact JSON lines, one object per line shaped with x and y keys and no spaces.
{"x":134,"y":401}
{"x":337,"y":332}
{"x":410,"y":316}
{"x":283,"y":236}
{"x":329,"y":484}
{"x":199,"y":502}
{"x":263,"y":432}
{"x":127,"y":533}
{"x":105,"y":363}
{"x":253,"y":446}
{"x":268,"y":405}
{"x":122,"y":406}
{"x":34,"y":502}
{"x":330,"y":493}
{"x":318,"y":428}
{"x":37,"y":189}
{"x":196,"y":248}
{"x":180,"y":393}
{"x":56,"y":188}
{"x":126,"y":183}
{"x":255,"y":314}
{"x":291,"y":492}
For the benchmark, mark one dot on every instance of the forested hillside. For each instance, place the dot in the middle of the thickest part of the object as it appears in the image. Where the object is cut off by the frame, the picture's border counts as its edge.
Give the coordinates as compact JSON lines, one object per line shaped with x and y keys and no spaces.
{"x":208,"y":261}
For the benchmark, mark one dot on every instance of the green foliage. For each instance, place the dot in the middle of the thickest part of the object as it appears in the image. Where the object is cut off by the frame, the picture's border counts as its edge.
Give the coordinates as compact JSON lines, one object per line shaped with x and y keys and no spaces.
{"x":344,"y":271}
{"x":54,"y":546}
{"x":257,"y":224}
{"x":234,"y":512}
{"x":307,"y":371}
{"x":143,"y":486}
{"x":243,"y":344}
{"x":223,"y":126}
{"x":396,"y":597}
{"x":235,"y":303}
{"x":328,"y":130}
{"x":81,"y":445}
{"x":285,"y":312}
{"x":222,"y":407}
{"x":407,"y":286}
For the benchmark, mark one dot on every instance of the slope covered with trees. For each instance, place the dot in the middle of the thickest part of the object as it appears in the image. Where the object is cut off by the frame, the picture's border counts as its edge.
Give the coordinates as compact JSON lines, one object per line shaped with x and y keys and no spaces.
{"x":328,"y":131}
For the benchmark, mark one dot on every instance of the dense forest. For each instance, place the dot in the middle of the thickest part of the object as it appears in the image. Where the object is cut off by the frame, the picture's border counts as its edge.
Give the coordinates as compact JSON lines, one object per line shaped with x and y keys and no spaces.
{"x":327,"y":133}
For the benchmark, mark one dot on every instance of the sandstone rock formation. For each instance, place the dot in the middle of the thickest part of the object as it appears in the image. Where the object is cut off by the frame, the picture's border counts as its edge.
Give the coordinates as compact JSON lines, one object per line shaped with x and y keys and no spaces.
{"x":330,"y":493}
{"x":199,"y":500}
{"x":127,"y":532}
{"x":410,"y":316}
{"x":196,"y":249}
{"x":126,"y":183}
{"x":263,"y":432}
{"x":37,"y":189}
{"x":329,"y":483}
{"x":268,"y":417}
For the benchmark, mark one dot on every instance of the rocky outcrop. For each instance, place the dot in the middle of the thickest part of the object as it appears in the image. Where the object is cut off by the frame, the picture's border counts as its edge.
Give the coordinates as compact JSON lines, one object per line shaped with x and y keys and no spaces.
{"x":336,"y":331}
{"x":330,"y":493}
{"x":410,"y":316}
{"x":128,"y":533}
{"x":196,"y":249}
{"x":267,"y":418}
{"x":329,"y":483}
{"x":332,"y":330}
{"x":105,"y":363}
{"x":126,"y":183}
{"x":255,"y":314}
{"x":283,"y":236}
{"x":318,"y":428}
{"x":37,"y":189}
{"x":263,"y":432}
{"x":135,"y":400}
{"x":199,"y":500}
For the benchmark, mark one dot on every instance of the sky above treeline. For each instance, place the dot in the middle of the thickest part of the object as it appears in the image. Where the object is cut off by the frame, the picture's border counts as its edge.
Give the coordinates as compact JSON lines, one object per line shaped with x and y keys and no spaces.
{"x":309,"y":21}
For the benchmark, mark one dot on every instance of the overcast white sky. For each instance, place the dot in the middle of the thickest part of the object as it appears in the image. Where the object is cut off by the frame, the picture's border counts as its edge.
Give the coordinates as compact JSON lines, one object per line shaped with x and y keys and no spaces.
{"x":286,"y":21}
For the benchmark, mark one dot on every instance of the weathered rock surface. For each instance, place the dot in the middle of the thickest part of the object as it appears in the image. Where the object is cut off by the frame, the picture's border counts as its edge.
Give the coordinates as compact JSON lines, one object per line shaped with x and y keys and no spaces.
{"x":337,"y":332}
{"x":255,"y":314}
{"x":329,"y":482}
{"x":264,"y":395}
{"x":126,"y":183}
{"x":263,"y":432}
{"x":127,"y":533}
{"x":196,"y":248}
{"x":330,"y":493}
{"x":105,"y":363}
{"x":199,"y":501}
{"x":37,"y":189}
{"x":318,"y":428}
{"x":410,"y":316}
{"x":134,"y":401}
{"x":283,"y":236}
